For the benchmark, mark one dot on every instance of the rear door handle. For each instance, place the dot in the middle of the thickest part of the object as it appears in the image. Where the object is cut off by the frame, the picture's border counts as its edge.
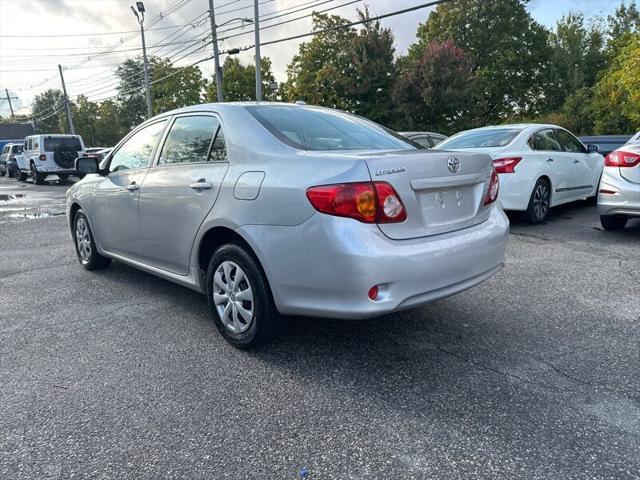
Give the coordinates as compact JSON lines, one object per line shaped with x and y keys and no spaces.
{"x":576,"y":161}
{"x":132,"y":187}
{"x":201,"y":185}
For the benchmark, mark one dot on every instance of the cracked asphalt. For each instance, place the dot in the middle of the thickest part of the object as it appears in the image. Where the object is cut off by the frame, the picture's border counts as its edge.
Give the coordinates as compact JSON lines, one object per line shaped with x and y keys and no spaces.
{"x":117,"y":374}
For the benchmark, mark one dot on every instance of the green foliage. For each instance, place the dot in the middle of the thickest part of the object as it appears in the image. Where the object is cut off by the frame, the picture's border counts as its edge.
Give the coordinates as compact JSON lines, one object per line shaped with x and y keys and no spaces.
{"x":372,"y":72}
{"x":239,"y":81}
{"x":98,"y":123}
{"x":434,"y":92}
{"x":44,"y":104}
{"x":320,"y":73}
{"x":616,"y":96}
{"x":508,"y":48}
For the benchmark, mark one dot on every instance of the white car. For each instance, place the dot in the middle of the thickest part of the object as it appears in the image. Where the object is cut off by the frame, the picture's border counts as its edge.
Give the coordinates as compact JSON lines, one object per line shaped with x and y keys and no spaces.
{"x":540,"y":166}
{"x":50,"y":154}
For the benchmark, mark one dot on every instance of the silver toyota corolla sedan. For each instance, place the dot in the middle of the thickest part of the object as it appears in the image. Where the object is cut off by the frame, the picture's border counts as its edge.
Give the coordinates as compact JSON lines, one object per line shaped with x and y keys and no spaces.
{"x":290,"y":209}
{"x":619,"y":191}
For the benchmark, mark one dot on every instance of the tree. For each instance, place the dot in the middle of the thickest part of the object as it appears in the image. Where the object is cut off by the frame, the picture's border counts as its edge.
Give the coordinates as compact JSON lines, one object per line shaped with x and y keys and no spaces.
{"x":508,"y":48}
{"x":616,"y":96}
{"x":320,"y":73}
{"x":176,"y":87}
{"x":578,"y":55}
{"x":434,"y":92}
{"x":239,"y":81}
{"x":373,"y":72}
{"x":625,"y":20}
{"x":43,"y":111}
{"x":85,"y":115}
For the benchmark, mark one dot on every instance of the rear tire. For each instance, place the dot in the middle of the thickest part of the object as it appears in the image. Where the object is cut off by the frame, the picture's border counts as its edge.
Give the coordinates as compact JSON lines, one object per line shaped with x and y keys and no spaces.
{"x":10,"y":173}
{"x":2,"y":174}
{"x":38,"y":178}
{"x":613,"y":222}
{"x":539,"y":202}
{"x":86,"y":249}
{"x":240,"y":298}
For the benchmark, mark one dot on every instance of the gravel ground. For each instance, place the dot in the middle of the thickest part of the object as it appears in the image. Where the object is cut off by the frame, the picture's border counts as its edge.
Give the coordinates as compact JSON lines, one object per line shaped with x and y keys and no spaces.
{"x":117,"y":374}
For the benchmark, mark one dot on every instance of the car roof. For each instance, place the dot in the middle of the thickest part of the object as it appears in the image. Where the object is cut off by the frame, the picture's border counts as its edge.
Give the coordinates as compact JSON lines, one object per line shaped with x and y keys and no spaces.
{"x":421,"y":133}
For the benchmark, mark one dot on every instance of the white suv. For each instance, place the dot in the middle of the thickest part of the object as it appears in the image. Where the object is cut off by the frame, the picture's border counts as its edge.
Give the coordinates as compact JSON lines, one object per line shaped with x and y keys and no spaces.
{"x":50,"y":154}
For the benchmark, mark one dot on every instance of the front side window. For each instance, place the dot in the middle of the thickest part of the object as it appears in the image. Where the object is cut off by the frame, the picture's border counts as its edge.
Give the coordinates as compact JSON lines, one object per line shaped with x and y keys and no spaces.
{"x":568,"y":142}
{"x":544,"y":140}
{"x":310,"y":128}
{"x":136,"y":152}
{"x":191,"y":139}
{"x":16,"y":149}
{"x":487,"y":138}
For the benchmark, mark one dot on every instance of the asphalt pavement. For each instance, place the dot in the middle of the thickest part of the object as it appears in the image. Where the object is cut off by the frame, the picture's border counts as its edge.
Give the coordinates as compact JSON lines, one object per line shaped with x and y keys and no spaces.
{"x":534,"y":374}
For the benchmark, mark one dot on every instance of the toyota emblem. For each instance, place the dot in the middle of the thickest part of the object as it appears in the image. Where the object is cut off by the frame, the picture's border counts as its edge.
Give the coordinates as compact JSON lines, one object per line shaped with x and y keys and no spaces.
{"x":453,"y":164}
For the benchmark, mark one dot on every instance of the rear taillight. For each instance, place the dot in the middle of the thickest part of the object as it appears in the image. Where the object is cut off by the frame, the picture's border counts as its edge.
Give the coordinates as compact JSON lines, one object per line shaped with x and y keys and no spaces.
{"x":506,"y":165}
{"x":368,"y":202}
{"x":42,"y":157}
{"x":494,"y":187}
{"x":621,"y":159}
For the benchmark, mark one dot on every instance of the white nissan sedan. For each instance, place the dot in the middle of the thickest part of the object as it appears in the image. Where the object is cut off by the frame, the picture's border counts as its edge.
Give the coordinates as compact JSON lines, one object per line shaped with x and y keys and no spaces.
{"x":540,"y":166}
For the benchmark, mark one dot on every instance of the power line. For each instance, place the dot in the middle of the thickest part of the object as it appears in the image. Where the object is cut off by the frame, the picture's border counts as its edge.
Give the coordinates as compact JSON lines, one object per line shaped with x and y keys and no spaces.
{"x":85,"y":34}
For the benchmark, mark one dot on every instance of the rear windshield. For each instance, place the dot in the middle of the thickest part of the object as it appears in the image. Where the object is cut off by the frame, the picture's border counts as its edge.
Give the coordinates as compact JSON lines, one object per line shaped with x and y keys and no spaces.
{"x":16,"y":149}
{"x":310,"y":128}
{"x":495,"y":137}
{"x":52,"y":143}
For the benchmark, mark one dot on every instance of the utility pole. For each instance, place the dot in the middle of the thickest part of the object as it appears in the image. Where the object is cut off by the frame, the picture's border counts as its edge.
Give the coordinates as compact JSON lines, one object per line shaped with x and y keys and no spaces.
{"x":147,"y":85}
{"x":67,"y":107}
{"x":256,"y":25}
{"x":9,"y":100}
{"x":216,"y":54}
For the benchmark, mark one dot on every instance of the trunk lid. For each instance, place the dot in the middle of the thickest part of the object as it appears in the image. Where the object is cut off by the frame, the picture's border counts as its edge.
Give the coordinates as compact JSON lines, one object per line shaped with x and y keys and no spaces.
{"x":631,"y":174}
{"x":441,"y":191}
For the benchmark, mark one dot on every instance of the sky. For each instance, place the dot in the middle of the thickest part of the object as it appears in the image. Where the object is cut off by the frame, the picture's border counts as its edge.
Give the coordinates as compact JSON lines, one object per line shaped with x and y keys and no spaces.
{"x":29,"y":63}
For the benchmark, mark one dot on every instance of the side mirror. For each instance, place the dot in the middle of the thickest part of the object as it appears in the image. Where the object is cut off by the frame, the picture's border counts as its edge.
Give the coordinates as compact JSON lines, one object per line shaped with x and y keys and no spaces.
{"x":591,"y":148}
{"x":86,"y":165}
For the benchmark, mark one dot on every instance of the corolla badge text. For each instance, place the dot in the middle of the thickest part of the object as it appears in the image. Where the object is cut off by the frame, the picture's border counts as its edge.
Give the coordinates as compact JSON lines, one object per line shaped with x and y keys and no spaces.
{"x":389,"y":171}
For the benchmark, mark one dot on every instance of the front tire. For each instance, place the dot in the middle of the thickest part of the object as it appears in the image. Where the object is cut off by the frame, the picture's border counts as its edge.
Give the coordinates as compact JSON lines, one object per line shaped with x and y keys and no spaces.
{"x":20,"y":176}
{"x":240,"y":298}
{"x":86,"y":249}
{"x":63,"y":176}
{"x":10,"y":173}
{"x":613,"y":222}
{"x":539,"y":202}
{"x":3,"y":173}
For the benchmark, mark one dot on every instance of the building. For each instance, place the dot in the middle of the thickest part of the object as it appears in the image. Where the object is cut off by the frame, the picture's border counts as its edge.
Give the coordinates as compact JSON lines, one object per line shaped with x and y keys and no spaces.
{"x":15,"y":132}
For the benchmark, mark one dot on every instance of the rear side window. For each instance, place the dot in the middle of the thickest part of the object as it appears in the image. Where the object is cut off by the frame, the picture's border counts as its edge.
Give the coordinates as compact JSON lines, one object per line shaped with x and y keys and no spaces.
{"x":423,"y":141}
{"x":494,"y":137}
{"x":51,"y":144}
{"x":310,"y":128}
{"x":136,"y":152}
{"x":35,"y":145}
{"x":191,"y":140}
{"x":568,"y":142}
{"x":544,"y":140}
{"x":435,"y":140}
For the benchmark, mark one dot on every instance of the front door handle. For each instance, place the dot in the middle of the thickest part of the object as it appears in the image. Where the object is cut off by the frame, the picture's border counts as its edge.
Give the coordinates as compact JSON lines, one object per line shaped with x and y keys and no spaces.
{"x":201,"y":184}
{"x":133,"y":186}
{"x":549,"y":159}
{"x":576,"y":161}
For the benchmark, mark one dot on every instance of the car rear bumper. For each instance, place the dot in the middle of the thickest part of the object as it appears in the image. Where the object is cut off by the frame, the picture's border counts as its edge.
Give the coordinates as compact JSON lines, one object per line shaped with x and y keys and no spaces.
{"x":626,"y":199}
{"x":326,"y":266}
{"x":515,"y":191}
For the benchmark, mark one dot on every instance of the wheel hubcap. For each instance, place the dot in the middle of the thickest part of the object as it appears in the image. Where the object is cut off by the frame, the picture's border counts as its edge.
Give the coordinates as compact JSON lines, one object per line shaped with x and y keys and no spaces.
{"x":233,"y":297}
{"x":83,"y":240}
{"x":541,"y":201}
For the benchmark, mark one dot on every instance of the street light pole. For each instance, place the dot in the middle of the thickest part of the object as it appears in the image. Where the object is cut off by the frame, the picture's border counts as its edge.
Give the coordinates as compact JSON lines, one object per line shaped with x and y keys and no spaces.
{"x":216,"y":54}
{"x":256,"y":25}
{"x":147,"y":85}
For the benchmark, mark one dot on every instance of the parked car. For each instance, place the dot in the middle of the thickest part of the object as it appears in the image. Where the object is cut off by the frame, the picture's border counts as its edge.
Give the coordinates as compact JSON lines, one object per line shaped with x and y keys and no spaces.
{"x":50,"y":154}
{"x":290,"y":209}
{"x":97,"y":152}
{"x":606,"y":143}
{"x":426,"y":139}
{"x":619,"y":191}
{"x":540,"y":166}
{"x":8,"y":163}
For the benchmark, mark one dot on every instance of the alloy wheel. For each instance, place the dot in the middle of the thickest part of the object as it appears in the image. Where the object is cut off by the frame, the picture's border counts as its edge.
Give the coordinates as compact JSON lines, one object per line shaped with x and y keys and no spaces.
{"x":233,"y":297}
{"x":83,"y":240}
{"x":541,"y":201}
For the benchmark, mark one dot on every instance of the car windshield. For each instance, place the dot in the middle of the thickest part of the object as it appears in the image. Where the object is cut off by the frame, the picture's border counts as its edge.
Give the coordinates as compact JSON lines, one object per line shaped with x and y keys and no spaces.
{"x":311,"y":128}
{"x":494,"y":137}
{"x":52,"y":143}
{"x":634,"y":140}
